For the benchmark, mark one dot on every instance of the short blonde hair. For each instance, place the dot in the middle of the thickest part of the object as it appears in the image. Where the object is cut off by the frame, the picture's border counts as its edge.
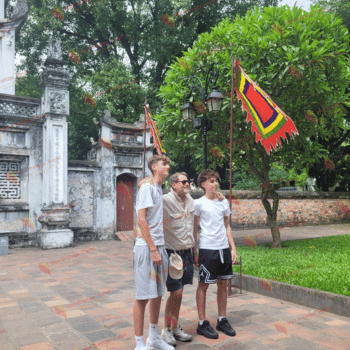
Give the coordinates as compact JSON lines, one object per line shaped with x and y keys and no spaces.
{"x":155,"y":159}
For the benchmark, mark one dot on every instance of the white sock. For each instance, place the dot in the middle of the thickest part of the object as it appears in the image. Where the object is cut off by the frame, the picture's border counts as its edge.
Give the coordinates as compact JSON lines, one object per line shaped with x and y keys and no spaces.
{"x":153,"y":332}
{"x":139,"y":342}
{"x":201,"y":322}
{"x":220,"y":318}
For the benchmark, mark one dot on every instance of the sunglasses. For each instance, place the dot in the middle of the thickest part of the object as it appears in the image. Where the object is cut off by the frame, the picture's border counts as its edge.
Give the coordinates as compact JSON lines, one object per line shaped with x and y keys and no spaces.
{"x":184,"y":182}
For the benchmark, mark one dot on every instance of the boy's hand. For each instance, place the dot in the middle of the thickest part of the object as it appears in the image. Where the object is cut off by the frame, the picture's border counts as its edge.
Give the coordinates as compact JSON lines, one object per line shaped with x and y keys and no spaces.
{"x":219,"y":196}
{"x":234,"y":255}
{"x":156,"y":258}
{"x":195,"y":258}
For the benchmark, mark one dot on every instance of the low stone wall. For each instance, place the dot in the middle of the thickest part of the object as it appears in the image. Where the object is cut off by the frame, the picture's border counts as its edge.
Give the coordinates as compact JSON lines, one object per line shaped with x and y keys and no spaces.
{"x":313,"y":298}
{"x":295,"y":208}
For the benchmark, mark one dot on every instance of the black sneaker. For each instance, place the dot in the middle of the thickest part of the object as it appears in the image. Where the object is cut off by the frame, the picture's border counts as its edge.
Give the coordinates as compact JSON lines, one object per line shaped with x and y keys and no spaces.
{"x":206,"y":330}
{"x":225,"y":327}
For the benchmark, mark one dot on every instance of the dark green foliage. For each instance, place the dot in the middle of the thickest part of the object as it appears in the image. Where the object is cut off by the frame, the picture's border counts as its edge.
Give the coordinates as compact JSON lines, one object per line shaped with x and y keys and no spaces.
{"x":266,"y":56}
{"x":247,"y":181}
{"x":144,"y":50}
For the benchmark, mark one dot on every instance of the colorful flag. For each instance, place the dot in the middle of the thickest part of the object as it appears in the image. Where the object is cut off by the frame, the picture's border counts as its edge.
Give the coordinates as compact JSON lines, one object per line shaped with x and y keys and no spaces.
{"x":269,"y":122}
{"x":154,"y":132}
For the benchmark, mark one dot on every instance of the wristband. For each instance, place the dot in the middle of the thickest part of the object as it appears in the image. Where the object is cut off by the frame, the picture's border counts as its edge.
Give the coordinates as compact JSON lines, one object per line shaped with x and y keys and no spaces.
{"x":153,"y":251}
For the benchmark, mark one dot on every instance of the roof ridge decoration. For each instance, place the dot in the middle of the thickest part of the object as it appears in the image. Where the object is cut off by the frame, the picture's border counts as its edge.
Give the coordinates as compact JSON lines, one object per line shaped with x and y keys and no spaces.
{"x":20,"y":11}
{"x":55,"y":51}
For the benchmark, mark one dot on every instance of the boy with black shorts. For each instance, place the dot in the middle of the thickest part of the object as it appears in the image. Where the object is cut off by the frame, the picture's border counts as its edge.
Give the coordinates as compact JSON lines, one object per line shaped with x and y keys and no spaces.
{"x":150,"y":256}
{"x":215,"y":257}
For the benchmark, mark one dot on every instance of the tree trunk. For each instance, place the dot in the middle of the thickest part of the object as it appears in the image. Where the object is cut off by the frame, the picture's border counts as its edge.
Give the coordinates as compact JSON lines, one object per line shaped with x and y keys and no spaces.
{"x":272,"y":214}
{"x":267,"y":189}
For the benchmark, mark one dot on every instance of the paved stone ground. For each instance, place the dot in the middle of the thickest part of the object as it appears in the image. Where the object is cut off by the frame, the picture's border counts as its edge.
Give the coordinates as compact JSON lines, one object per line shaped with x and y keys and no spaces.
{"x":96,"y":291}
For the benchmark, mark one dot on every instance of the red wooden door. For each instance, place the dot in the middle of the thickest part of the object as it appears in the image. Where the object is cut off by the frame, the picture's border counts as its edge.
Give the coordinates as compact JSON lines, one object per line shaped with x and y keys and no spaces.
{"x":125,"y":203}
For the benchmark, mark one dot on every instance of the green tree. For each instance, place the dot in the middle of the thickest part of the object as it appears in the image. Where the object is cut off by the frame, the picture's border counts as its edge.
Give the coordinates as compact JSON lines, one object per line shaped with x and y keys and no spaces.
{"x":340,"y":7}
{"x":335,"y":170}
{"x":247,"y":181}
{"x":298,"y":58}
{"x":115,"y":42}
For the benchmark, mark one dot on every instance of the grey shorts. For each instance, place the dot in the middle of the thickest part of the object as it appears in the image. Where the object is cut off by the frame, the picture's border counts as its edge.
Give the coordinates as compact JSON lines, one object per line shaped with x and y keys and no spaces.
{"x":149,"y":279}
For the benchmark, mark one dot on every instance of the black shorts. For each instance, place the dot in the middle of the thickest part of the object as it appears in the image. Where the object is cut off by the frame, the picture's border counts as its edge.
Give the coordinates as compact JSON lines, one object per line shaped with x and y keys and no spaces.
{"x":214,"y":264}
{"x":173,"y":285}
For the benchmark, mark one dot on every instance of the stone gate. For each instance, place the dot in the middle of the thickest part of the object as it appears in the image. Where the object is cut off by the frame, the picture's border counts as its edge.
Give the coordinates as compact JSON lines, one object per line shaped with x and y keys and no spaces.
{"x":45,"y":199}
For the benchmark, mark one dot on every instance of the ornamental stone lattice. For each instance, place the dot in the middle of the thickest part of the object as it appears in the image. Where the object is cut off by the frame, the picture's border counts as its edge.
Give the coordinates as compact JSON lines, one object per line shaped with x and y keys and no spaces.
{"x":10,"y":187}
{"x":10,"y":108}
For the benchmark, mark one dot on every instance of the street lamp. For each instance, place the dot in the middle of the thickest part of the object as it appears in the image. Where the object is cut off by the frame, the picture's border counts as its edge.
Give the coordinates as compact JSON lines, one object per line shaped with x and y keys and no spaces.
{"x":213,"y":101}
{"x":188,"y":111}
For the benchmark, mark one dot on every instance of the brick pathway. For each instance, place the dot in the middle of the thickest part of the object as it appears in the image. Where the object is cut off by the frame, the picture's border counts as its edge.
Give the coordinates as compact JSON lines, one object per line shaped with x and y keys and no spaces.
{"x":94,"y":286}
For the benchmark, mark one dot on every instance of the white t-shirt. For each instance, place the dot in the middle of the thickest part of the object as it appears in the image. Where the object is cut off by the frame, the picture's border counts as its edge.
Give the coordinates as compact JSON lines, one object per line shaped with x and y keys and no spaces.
{"x":151,"y":197}
{"x":211,"y":220}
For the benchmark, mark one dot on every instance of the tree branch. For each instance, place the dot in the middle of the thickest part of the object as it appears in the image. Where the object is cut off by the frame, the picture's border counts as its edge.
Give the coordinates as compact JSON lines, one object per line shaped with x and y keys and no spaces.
{"x":345,"y":136}
{"x":252,"y":168}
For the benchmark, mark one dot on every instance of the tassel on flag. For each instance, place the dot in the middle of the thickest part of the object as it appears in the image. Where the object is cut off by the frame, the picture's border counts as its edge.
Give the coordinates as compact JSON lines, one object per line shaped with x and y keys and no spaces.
{"x":154,"y":132}
{"x":269,"y":122}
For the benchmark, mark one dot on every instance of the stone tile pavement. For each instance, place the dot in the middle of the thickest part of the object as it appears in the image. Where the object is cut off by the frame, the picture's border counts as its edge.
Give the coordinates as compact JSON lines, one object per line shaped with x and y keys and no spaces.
{"x":82,"y":298}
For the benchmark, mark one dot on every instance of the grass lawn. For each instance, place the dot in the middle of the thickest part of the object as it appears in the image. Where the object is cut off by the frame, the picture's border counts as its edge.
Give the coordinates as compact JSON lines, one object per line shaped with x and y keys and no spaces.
{"x":319,"y":263}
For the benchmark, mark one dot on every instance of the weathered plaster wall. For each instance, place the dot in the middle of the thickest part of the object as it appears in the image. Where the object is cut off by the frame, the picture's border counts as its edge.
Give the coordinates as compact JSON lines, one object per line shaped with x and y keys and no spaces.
{"x":35,"y":174}
{"x":84,"y":190}
{"x":81,"y":190}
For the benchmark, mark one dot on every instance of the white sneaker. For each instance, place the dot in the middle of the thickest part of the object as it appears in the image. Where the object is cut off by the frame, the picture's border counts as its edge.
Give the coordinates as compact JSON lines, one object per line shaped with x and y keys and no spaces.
{"x":179,"y":334}
{"x":158,"y":344}
{"x":168,"y":337}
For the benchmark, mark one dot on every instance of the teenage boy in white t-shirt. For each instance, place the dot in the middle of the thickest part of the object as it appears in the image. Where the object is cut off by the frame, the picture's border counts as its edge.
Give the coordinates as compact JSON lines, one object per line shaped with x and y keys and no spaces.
{"x":215,"y":257}
{"x":150,"y":256}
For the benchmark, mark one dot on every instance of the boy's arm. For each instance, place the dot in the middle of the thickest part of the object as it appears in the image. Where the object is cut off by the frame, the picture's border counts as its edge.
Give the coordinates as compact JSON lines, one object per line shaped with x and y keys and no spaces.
{"x":142,"y":223}
{"x":230,"y":238}
{"x":195,"y":225}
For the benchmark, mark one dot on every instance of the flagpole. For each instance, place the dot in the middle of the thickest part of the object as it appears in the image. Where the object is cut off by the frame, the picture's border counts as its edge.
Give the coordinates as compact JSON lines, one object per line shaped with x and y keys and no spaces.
{"x":231,"y":131}
{"x":229,"y":292}
{"x":144,"y":143}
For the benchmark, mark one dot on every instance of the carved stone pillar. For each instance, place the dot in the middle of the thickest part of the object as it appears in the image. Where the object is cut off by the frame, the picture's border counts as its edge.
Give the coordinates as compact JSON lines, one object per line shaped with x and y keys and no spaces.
{"x":55,"y":104}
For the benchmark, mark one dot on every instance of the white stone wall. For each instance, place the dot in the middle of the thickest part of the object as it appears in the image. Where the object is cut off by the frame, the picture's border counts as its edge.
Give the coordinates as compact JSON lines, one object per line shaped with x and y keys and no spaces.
{"x":82,"y":191}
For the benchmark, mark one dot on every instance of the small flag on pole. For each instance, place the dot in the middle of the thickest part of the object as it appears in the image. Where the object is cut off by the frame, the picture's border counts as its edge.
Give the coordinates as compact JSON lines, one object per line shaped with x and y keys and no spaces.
{"x":269,"y":122}
{"x":154,"y":132}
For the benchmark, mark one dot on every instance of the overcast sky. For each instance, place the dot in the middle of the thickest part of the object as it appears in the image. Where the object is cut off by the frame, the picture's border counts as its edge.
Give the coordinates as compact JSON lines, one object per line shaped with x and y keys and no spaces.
{"x":305,"y":4}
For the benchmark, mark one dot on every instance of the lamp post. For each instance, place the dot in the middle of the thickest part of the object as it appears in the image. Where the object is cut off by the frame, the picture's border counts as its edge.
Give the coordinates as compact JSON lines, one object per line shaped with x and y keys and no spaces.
{"x":212,"y":101}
